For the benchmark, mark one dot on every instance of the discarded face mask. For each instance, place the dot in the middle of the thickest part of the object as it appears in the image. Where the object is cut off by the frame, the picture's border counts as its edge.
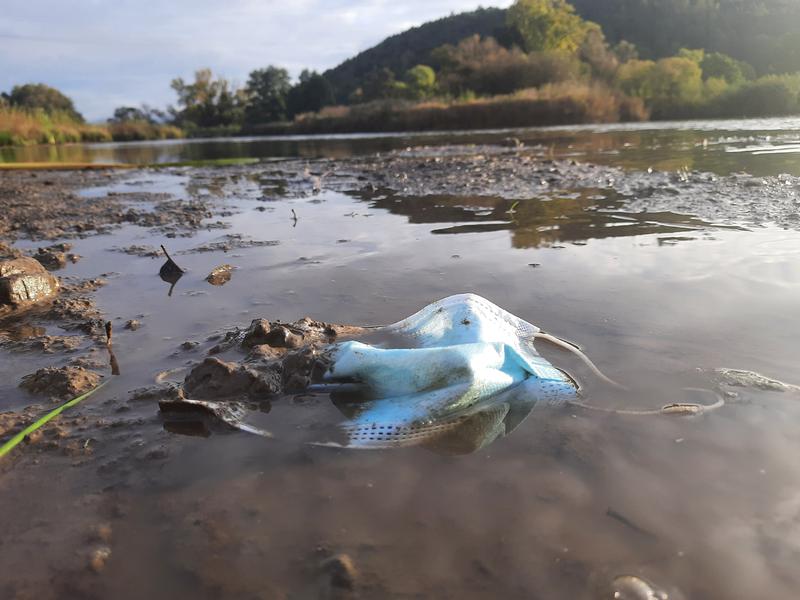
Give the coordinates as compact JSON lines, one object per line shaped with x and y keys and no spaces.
{"x":458,"y":358}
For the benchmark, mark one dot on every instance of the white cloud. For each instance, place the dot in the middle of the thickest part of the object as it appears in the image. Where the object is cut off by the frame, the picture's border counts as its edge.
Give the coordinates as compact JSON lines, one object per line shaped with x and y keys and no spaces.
{"x":108,"y":52}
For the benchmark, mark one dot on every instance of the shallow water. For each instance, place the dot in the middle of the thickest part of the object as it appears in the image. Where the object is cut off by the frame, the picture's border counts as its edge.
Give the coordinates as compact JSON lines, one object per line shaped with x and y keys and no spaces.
{"x":705,"y":507}
{"x":757,"y":146}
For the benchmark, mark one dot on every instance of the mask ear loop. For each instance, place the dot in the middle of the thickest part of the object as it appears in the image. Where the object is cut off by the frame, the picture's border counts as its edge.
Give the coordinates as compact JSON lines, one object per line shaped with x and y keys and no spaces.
{"x":679,"y":409}
{"x":675,"y":408}
{"x":570,"y":347}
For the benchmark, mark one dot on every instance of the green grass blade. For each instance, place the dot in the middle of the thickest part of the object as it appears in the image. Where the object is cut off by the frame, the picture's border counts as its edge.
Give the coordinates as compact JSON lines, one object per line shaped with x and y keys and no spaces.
{"x":14,"y":441}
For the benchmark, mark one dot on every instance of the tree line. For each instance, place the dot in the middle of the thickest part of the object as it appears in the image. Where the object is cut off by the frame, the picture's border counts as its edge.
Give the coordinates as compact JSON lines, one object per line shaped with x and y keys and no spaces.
{"x":537,"y":43}
{"x":493,"y":52}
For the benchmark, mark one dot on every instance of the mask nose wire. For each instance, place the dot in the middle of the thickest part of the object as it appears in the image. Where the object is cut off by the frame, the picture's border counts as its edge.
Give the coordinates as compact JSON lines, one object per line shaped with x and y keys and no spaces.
{"x":574,"y":349}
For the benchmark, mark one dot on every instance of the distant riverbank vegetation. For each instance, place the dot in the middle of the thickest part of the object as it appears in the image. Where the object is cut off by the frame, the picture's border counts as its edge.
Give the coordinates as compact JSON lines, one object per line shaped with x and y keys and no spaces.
{"x":39,"y":114}
{"x":540,"y":62}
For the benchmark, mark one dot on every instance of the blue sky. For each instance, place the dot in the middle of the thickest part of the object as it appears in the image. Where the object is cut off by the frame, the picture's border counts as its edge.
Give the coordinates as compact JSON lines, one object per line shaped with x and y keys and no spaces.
{"x":108,"y":53}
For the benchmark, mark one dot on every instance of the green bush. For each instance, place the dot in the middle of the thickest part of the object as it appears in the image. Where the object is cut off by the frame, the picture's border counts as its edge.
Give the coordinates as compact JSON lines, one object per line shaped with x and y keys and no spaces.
{"x":767,"y":96}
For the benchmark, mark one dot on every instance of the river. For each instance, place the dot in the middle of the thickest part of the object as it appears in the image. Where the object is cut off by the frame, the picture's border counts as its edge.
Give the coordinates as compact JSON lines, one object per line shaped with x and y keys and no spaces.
{"x":660,"y":288}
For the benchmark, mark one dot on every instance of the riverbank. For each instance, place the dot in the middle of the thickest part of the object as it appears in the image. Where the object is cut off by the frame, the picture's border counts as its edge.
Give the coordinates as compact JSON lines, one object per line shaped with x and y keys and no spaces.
{"x":20,"y":127}
{"x":560,"y":104}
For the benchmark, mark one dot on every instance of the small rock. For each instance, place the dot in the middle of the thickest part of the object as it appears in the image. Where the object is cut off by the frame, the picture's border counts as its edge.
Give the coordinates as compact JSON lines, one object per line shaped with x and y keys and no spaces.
{"x":188,"y":345}
{"x":341,"y":570}
{"x":51,"y":259}
{"x":300,"y":368}
{"x":63,"y":383}
{"x":98,"y":558}
{"x":102,"y":532}
{"x":214,"y":378}
{"x":630,"y":587}
{"x":132,"y":325}
{"x":25,"y":280}
{"x":257,"y":333}
{"x":283,"y":337}
{"x":220,"y":275}
{"x":157,"y":392}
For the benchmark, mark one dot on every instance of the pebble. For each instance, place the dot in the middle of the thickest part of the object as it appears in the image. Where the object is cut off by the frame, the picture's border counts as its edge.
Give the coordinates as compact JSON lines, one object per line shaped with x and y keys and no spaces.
{"x":341,"y":570}
{"x":99,"y":557}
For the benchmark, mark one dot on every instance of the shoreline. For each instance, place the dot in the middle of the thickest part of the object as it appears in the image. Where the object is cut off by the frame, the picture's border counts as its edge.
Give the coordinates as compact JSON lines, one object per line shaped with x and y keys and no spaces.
{"x":281,"y":132}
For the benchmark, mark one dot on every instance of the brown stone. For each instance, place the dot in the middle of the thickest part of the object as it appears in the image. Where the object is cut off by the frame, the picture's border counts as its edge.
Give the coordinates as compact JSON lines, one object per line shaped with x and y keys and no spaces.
{"x":215,"y":378}
{"x":62,"y":383}
{"x":341,"y":570}
{"x":220,"y":275}
{"x":257,"y":333}
{"x":51,"y":258}
{"x":25,"y":280}
{"x":300,"y":367}
{"x":283,"y":337}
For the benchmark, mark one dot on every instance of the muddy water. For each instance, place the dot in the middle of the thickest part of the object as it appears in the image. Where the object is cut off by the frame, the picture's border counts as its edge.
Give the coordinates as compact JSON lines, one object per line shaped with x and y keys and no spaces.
{"x":705,"y":507}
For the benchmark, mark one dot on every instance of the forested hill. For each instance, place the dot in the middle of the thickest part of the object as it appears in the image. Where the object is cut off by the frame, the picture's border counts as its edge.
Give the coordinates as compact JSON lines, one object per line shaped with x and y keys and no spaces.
{"x":763,"y":33}
{"x":404,"y":50}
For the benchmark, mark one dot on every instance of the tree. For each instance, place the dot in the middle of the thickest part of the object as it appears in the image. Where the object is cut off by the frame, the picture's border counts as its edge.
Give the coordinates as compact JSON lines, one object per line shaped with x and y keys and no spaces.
{"x":267,"y":93}
{"x":485,"y":67}
{"x":635,"y":78}
{"x":421,"y":82}
{"x":696,"y":55}
{"x":664,"y":84}
{"x":380,"y":84}
{"x":595,"y":52}
{"x":786,"y":53}
{"x":748,"y":30}
{"x":144,"y":113}
{"x":721,"y":66}
{"x":312,"y":92}
{"x":677,"y":80}
{"x":44,"y":97}
{"x":626,"y":51}
{"x":547,"y":24}
{"x":208,"y":102}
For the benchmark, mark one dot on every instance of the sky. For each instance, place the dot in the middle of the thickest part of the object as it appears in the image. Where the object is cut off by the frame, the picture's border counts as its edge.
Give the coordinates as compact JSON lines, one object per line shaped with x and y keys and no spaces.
{"x":110,"y":53}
